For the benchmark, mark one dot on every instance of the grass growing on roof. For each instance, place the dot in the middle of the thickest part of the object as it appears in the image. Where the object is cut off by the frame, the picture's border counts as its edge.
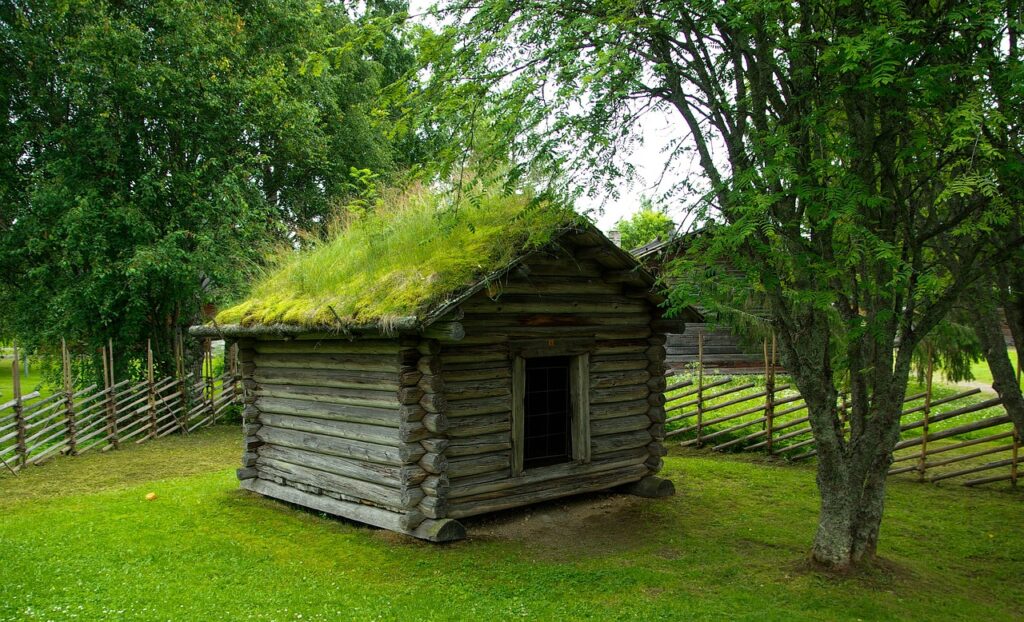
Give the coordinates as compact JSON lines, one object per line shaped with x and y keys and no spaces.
{"x":400,"y":260}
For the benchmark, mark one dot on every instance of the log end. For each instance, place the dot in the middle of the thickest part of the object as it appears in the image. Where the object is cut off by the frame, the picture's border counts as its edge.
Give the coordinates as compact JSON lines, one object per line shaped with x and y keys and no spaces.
{"x":246,"y":473}
{"x":652,"y":487}
{"x":443,"y":530}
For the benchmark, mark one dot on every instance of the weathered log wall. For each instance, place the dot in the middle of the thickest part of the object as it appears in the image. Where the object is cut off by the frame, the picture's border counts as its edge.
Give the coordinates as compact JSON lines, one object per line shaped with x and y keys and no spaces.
{"x":573,"y":297}
{"x":347,"y":427}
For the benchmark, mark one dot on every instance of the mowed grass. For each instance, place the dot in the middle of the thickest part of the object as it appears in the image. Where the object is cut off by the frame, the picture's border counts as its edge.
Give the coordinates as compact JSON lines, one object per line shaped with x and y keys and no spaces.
{"x":33,"y":382}
{"x":981,"y":372}
{"x":79,"y":541}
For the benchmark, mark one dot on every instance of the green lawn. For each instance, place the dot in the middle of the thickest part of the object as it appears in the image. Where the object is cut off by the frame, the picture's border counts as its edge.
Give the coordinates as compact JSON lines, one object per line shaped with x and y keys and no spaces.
{"x":33,"y":382}
{"x":981,"y":372}
{"x":79,"y":541}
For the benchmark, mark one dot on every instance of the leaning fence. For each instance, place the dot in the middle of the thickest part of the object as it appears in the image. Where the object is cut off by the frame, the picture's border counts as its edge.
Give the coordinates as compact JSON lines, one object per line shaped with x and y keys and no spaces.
{"x":945,"y":435}
{"x":73,"y":421}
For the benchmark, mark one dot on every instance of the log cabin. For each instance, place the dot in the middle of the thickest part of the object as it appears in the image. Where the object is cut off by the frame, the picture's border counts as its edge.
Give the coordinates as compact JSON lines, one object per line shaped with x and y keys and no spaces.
{"x":539,"y":375}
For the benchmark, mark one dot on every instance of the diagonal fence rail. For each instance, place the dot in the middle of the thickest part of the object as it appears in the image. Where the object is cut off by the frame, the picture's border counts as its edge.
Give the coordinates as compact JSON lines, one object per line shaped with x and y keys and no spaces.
{"x":945,"y":435}
{"x":34,"y":427}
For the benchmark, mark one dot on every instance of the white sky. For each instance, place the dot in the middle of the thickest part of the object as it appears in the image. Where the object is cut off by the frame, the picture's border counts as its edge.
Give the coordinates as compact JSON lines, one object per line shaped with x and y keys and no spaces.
{"x":657,"y":128}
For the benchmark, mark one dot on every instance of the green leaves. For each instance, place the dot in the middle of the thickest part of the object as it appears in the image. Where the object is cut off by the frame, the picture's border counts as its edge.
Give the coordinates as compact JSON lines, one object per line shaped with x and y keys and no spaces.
{"x":152,"y":152}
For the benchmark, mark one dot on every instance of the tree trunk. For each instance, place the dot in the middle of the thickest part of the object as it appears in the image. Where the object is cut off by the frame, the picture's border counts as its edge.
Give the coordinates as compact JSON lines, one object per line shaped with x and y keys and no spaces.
{"x":986,"y":324}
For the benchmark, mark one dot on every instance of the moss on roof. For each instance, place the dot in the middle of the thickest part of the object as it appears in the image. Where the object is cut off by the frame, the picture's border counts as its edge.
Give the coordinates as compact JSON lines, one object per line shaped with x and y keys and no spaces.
{"x":399,"y":261}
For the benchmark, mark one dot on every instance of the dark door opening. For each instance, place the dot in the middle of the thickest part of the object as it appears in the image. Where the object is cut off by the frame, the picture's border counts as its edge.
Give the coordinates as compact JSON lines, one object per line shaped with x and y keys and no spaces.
{"x":547,"y":412}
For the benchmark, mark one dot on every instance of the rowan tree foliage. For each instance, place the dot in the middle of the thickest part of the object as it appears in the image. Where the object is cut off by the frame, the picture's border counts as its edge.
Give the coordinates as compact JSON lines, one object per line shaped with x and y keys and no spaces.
{"x":150,"y":151}
{"x":854,"y":158}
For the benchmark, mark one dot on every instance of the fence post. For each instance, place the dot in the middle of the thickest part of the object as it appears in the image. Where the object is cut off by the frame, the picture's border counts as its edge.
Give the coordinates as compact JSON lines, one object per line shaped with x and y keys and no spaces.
{"x":208,"y":380}
{"x":19,"y":413}
{"x":921,"y":463}
{"x":1014,"y":464}
{"x":69,"y":399}
{"x":111,"y":406}
{"x":235,"y":377}
{"x":152,"y":389}
{"x":769,"y":390}
{"x":179,"y":364}
{"x":700,"y":385}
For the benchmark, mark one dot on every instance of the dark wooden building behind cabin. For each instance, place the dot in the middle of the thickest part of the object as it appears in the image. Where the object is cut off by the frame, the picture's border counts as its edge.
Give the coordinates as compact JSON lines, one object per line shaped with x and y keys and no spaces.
{"x":724,"y":349}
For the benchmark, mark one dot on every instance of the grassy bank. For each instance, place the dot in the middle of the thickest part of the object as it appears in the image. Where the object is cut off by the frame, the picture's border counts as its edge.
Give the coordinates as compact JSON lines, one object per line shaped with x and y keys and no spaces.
{"x":79,"y":541}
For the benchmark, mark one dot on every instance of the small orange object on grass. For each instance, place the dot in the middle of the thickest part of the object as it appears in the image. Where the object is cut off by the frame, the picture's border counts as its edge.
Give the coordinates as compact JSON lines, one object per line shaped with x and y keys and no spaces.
{"x":151,"y":496}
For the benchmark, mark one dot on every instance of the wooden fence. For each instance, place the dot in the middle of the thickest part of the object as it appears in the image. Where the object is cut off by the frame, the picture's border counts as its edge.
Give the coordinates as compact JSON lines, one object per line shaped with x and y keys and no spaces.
{"x":72,"y":422}
{"x":724,"y":413}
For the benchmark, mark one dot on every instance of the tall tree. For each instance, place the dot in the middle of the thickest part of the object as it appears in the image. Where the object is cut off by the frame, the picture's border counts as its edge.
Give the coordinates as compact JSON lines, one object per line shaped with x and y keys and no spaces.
{"x":849,"y":153}
{"x":150,"y":151}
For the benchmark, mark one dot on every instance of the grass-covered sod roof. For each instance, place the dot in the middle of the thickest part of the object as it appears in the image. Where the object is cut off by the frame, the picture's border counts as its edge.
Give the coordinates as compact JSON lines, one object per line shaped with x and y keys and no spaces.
{"x":401,"y":260}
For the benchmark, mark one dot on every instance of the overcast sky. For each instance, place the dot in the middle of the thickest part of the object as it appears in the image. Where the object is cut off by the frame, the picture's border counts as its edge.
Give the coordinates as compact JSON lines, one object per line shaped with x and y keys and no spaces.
{"x":658,"y":129}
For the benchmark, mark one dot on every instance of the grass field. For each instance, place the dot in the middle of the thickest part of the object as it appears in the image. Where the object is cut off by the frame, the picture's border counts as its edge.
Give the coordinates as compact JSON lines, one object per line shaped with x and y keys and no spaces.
{"x":79,"y":541}
{"x":33,"y":382}
{"x":981,"y":372}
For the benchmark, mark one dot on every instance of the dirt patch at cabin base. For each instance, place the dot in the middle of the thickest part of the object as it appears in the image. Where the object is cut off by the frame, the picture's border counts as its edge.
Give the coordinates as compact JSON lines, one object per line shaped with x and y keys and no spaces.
{"x":582,"y":526}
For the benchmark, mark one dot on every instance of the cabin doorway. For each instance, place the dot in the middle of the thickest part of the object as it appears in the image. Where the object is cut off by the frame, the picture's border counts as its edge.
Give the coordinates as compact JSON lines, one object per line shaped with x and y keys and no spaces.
{"x":547,"y":412}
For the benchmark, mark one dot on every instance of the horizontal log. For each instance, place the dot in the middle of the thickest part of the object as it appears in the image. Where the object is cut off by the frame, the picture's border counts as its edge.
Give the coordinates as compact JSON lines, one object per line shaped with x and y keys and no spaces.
{"x":464,"y":427}
{"x":955,"y":431}
{"x":619,"y":425}
{"x":399,"y":455}
{"x":618,"y":409}
{"x":618,"y":379}
{"x":481,"y":447}
{"x":385,"y":475}
{"x":453,"y":377}
{"x":483,"y":406}
{"x":619,"y":394}
{"x":389,"y":399}
{"x":334,"y":412}
{"x":483,"y":463}
{"x":378,"y":517}
{"x":618,"y":442}
{"x":560,"y":285}
{"x":989,"y":480}
{"x":354,"y":489}
{"x":580,"y":484}
{"x":344,"y":379}
{"x":488,"y":486}
{"x":977,"y":469}
{"x":332,"y":346}
{"x":346,"y":362}
{"x":630,"y":363}
{"x":476,"y":389}
{"x":932,"y":449}
{"x":404,"y":433}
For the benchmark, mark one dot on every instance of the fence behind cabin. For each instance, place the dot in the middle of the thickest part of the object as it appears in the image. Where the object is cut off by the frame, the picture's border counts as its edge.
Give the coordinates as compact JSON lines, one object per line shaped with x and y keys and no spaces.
{"x":73,"y":421}
{"x":962,"y":436}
